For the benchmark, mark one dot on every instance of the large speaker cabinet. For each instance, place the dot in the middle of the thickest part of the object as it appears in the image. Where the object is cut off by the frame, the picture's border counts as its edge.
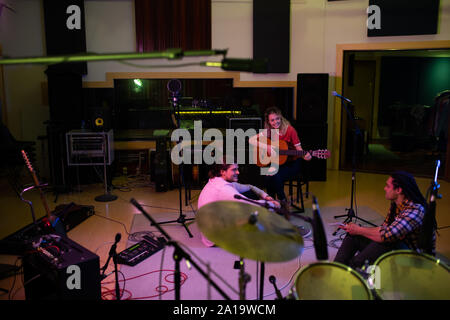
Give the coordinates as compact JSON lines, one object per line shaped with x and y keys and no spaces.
{"x":312,"y":97}
{"x":160,"y":168}
{"x":65,"y":32}
{"x":271,"y":33}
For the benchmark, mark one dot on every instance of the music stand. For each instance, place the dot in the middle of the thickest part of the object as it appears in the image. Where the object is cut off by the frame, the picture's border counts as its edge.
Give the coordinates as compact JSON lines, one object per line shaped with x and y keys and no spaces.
{"x":350,"y":212}
{"x":174,"y":86}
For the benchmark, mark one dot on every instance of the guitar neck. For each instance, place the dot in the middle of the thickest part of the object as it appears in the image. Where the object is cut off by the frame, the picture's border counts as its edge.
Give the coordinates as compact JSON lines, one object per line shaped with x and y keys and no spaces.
{"x":37,"y":183}
{"x":296,"y":153}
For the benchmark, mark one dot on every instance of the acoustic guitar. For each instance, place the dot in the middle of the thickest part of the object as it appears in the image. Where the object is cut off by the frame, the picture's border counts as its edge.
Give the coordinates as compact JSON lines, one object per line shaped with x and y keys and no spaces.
{"x":285,"y":154}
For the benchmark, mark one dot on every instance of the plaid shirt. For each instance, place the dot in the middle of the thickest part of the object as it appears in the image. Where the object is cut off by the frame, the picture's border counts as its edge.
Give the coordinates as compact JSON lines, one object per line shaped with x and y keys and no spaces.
{"x":404,"y":225}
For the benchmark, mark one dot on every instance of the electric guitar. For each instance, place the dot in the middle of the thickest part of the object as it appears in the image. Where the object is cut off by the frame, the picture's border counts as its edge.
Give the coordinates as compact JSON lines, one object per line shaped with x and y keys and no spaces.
{"x":284,"y":153}
{"x":49,"y":220}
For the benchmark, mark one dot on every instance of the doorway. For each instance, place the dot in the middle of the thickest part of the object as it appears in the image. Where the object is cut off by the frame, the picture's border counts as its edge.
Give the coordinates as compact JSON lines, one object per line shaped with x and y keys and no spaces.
{"x":400,"y":108}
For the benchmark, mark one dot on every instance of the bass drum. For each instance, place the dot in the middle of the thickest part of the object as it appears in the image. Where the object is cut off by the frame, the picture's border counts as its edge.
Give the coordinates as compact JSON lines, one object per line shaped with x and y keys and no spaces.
{"x":330,"y":281}
{"x":408,"y":275}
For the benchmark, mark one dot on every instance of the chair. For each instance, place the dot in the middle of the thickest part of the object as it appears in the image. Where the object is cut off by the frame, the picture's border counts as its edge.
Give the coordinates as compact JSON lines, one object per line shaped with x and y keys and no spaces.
{"x":298,"y":182}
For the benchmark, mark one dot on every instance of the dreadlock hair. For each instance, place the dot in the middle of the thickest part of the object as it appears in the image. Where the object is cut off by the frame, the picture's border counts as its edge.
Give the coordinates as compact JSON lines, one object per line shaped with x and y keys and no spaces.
{"x":404,"y":180}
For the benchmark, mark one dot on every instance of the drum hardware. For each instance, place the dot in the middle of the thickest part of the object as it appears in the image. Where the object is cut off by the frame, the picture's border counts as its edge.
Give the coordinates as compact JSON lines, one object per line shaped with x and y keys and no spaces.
{"x":273,"y":281}
{"x":319,"y":236}
{"x":178,"y":255}
{"x":271,"y":239}
{"x":250,"y":232}
{"x":258,"y":234}
{"x":244,"y":278}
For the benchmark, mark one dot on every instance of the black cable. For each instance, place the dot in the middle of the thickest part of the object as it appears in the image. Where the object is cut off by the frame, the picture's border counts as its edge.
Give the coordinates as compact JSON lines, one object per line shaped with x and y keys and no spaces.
{"x":124,"y":280}
{"x":15,"y":276}
{"x":444,"y":227}
{"x":160,"y":274}
{"x":113,"y":220}
{"x":356,"y":205}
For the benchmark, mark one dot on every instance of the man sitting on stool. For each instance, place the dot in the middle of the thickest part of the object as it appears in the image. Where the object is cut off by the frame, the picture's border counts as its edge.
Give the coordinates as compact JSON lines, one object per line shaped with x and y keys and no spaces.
{"x":400,"y":229}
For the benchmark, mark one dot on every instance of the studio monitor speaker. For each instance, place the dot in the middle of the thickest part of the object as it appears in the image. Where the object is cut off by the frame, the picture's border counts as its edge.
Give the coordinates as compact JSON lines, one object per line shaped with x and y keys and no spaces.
{"x":312,"y":97}
{"x":160,"y":166}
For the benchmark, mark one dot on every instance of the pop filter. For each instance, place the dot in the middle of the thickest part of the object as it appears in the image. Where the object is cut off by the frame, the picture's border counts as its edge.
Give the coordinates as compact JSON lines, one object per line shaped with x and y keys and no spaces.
{"x":174,"y":86}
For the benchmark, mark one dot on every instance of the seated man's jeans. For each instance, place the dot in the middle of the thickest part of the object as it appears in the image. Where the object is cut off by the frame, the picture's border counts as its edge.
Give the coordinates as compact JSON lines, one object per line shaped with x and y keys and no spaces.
{"x":356,"y":250}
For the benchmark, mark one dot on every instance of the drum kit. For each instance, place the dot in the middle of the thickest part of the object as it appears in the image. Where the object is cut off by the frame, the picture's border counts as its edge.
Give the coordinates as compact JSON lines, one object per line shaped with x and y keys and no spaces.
{"x":256,"y":233}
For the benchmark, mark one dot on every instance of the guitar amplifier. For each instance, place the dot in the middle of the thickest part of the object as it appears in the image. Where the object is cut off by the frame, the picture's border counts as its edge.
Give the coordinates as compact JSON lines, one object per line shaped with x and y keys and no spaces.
{"x":72,"y":214}
{"x":60,"y":268}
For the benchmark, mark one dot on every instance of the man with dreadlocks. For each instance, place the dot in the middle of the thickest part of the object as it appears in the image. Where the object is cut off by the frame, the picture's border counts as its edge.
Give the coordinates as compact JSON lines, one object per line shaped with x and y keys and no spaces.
{"x":400,"y":230}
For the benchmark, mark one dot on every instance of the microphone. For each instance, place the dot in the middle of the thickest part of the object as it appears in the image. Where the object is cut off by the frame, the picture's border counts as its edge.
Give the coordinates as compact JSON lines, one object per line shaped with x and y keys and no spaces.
{"x":320,"y":238}
{"x":239,"y":197}
{"x":245,"y":65}
{"x":266,"y":204}
{"x":273,"y":281}
{"x":334,"y":93}
{"x":118,"y":237}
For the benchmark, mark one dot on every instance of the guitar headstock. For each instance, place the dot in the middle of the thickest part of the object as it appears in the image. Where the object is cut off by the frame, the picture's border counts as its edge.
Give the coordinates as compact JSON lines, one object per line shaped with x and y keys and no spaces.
{"x":321,"y":154}
{"x":27,"y":161}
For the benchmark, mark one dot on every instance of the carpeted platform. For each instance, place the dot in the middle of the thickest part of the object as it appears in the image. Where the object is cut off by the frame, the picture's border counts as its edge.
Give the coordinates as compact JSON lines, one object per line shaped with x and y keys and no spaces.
{"x":155,"y":274}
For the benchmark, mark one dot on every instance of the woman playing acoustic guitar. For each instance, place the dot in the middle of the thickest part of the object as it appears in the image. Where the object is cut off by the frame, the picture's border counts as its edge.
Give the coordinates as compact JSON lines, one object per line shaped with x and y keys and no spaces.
{"x":273,"y":119}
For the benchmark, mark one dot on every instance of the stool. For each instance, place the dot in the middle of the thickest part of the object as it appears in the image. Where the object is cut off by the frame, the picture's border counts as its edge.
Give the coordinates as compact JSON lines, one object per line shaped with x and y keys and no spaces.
{"x":298,"y":183}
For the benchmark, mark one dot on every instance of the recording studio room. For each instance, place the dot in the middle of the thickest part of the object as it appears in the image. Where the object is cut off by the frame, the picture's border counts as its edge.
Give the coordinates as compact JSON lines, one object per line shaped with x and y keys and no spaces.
{"x":117,"y":116}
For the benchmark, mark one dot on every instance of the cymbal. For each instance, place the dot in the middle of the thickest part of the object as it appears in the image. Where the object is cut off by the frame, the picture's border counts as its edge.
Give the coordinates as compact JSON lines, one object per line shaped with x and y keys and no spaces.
{"x":270,"y":239}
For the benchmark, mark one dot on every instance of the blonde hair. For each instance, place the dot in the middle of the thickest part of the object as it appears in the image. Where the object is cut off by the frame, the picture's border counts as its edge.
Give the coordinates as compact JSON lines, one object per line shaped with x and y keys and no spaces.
{"x":284,"y":122}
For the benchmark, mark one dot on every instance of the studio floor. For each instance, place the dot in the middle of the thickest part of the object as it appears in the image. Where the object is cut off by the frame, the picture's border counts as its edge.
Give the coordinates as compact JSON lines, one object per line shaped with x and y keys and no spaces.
{"x":98,"y":232}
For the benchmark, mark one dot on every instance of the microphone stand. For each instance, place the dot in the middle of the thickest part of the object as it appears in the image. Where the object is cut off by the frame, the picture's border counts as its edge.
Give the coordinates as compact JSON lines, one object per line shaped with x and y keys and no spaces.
{"x":320,"y":242}
{"x":273,"y":281}
{"x":113,"y":255}
{"x":244,"y":278}
{"x":178,"y":254}
{"x":181,"y":218}
{"x":350,"y":212}
{"x":429,"y":220}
